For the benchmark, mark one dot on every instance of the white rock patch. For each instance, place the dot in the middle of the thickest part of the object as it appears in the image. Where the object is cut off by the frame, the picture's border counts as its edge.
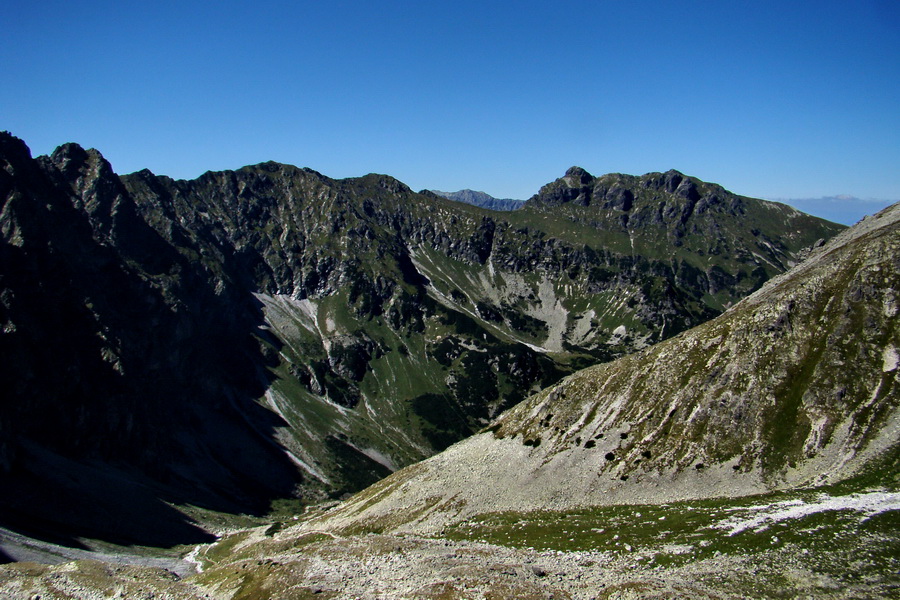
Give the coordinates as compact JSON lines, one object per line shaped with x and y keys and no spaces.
{"x":891,"y":359}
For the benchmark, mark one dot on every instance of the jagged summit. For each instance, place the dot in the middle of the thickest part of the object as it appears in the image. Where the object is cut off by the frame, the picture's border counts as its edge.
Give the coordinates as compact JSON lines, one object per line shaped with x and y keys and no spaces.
{"x":673,"y":216}
{"x":582,"y":188}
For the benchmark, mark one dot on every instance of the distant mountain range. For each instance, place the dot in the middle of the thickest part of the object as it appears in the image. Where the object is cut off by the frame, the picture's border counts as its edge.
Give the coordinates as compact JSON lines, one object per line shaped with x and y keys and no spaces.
{"x":839,"y":209}
{"x":481,"y":199}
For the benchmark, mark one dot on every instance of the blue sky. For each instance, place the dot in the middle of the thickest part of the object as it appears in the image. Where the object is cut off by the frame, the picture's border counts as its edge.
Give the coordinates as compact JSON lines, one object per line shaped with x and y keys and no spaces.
{"x":770,"y":99}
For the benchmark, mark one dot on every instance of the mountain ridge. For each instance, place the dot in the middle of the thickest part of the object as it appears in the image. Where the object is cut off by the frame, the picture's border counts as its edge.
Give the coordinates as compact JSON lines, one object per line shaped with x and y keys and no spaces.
{"x":720,"y":496}
{"x":339,"y":328}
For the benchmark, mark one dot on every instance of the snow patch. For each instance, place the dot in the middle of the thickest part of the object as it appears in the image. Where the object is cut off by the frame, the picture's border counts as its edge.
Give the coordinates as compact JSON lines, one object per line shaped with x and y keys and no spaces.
{"x":762,"y":516}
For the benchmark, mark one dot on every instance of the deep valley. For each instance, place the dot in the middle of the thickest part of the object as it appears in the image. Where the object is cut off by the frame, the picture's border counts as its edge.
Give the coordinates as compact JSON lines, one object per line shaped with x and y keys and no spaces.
{"x":628,"y":386}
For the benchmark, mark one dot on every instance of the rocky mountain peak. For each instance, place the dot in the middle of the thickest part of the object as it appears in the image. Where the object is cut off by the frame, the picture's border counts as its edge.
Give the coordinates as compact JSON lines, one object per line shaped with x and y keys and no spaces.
{"x":12,"y":148}
{"x":577,"y":177}
{"x":672,"y":179}
{"x":93,"y":185}
{"x":80,"y":167}
{"x":386,"y":182}
{"x":574,"y":187}
{"x":69,"y":153}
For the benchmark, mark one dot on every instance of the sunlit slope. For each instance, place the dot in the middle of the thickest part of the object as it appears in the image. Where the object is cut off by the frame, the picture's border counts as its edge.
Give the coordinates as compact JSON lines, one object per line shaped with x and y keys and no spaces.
{"x":794,"y":386}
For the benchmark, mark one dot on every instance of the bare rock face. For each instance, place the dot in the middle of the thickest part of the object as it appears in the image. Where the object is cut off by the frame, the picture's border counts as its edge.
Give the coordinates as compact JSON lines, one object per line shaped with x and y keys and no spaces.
{"x":794,"y":386}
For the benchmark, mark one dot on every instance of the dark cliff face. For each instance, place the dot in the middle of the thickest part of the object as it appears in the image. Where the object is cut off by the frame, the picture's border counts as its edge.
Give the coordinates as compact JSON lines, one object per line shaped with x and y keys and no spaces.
{"x":124,"y":365}
{"x":269,"y":331}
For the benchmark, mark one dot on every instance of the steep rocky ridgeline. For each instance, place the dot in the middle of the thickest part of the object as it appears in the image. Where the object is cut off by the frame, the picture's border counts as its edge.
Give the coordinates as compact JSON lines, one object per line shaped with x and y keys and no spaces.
{"x":794,"y":387}
{"x":713,"y":240}
{"x":406,"y":322}
{"x":754,"y":456}
{"x":269,"y":332}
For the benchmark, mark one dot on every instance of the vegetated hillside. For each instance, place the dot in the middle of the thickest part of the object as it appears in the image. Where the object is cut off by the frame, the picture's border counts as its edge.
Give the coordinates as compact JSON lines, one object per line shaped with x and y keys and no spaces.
{"x":795,"y":386}
{"x":270,"y":332}
{"x":481,"y":199}
{"x":579,"y":492}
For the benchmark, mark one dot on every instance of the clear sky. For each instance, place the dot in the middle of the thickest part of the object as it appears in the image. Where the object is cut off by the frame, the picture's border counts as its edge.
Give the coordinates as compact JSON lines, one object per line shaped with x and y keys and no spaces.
{"x":771,"y":99}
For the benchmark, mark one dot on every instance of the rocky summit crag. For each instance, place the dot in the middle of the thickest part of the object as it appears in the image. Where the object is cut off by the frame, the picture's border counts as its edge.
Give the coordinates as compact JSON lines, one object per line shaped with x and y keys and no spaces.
{"x":270,"y":333}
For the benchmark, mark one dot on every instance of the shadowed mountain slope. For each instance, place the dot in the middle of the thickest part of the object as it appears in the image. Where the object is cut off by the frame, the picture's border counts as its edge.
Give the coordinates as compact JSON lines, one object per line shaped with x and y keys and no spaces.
{"x":123,"y":366}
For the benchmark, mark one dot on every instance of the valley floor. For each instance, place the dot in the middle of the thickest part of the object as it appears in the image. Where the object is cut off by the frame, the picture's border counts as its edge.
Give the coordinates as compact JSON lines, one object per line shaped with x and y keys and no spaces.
{"x":386,"y":567}
{"x":20,"y":548}
{"x":788,"y":545}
